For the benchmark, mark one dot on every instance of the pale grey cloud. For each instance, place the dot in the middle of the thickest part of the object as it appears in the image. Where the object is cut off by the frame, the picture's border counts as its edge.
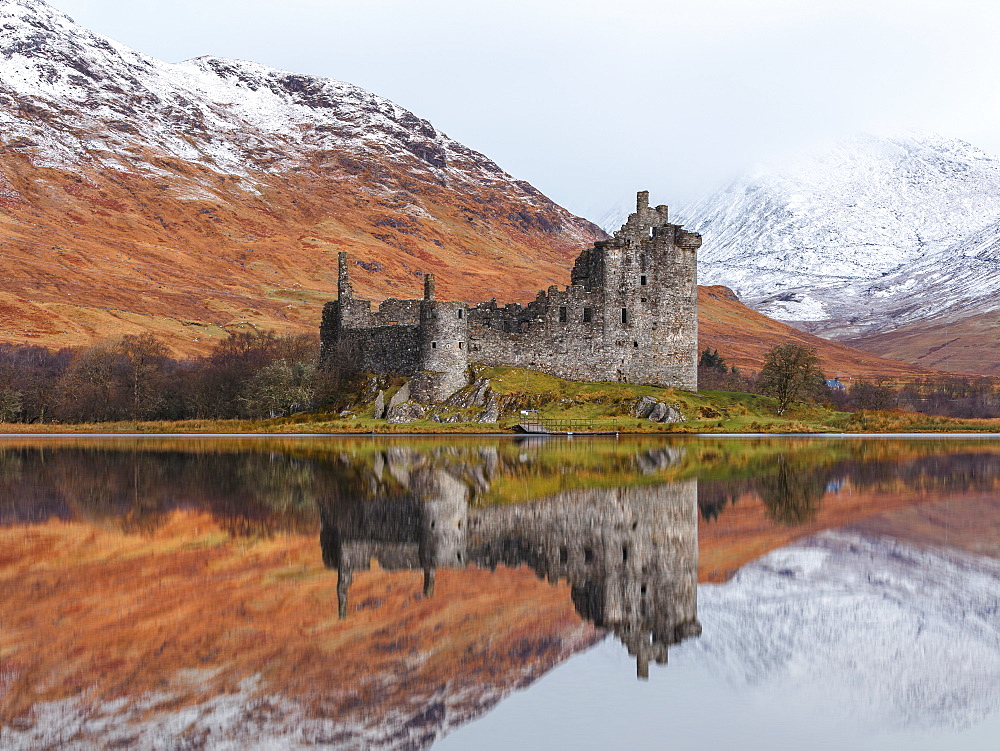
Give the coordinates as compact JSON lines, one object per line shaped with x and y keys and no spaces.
{"x":591,"y":100}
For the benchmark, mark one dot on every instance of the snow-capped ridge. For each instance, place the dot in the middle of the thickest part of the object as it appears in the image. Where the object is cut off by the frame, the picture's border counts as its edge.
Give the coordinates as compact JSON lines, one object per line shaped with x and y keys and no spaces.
{"x":836,"y":237}
{"x":220,"y":112}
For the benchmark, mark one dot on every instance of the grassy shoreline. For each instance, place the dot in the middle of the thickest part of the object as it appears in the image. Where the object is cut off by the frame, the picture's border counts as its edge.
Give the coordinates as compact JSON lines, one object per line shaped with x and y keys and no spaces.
{"x":609,"y":405}
{"x":809,"y":420}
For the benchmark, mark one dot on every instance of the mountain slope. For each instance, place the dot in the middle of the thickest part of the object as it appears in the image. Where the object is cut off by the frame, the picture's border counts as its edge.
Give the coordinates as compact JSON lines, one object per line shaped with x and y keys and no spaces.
{"x":188,"y":198}
{"x":871,"y":235}
{"x":743,"y":337}
{"x":196,"y":198}
{"x":964,"y":344}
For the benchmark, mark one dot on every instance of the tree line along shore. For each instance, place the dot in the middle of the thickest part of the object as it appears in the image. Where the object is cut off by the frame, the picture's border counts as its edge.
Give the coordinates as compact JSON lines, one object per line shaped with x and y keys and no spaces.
{"x":259,"y":381}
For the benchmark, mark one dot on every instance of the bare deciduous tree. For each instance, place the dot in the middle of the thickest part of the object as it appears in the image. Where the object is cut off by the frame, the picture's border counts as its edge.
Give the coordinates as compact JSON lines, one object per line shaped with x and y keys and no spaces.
{"x":790,"y":372}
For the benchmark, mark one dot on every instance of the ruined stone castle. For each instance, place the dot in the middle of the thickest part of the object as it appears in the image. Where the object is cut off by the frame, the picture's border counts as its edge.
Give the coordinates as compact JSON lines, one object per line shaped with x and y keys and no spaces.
{"x":630,"y":314}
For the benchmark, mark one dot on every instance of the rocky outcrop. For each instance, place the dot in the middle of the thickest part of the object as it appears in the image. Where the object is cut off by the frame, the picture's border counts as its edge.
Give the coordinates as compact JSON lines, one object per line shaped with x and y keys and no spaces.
{"x":644,"y":406}
{"x":655,"y":411}
{"x":405,"y":412}
{"x":401,"y":396}
{"x":491,"y":412}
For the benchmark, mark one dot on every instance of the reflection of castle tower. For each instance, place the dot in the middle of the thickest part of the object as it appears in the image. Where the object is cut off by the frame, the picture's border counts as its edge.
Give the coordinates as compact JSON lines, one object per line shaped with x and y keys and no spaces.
{"x":630,"y":555}
{"x":423,"y":527}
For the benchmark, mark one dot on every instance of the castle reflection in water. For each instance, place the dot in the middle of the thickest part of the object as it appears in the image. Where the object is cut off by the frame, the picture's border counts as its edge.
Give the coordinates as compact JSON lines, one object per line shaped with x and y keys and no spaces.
{"x":629,"y":554}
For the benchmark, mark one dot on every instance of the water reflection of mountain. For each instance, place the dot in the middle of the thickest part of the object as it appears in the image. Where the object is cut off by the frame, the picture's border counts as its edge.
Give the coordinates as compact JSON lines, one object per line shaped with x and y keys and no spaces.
{"x":630,"y":555}
{"x":792,"y":486}
{"x":402,"y":669}
{"x":892,"y":636}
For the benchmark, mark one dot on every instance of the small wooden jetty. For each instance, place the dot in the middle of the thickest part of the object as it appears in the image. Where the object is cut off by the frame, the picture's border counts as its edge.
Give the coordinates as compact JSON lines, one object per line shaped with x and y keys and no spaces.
{"x":534,"y":425}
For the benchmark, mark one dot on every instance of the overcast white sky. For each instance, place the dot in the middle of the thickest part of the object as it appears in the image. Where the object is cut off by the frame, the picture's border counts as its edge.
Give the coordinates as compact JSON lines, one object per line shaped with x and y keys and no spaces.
{"x":591,"y":100}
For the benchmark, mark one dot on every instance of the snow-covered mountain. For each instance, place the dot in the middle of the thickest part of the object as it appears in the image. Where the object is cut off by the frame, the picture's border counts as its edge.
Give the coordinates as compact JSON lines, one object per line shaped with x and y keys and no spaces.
{"x":80,"y":97}
{"x":869,"y":235}
{"x":117,"y":166}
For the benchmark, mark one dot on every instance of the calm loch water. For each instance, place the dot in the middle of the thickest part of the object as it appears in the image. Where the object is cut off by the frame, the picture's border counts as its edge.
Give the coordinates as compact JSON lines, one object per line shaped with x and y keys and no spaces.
{"x":490,"y":593}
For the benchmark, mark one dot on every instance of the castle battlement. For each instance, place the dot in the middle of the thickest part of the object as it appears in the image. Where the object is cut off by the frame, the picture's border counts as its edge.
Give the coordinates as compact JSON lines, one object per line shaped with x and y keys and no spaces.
{"x":630,"y":313}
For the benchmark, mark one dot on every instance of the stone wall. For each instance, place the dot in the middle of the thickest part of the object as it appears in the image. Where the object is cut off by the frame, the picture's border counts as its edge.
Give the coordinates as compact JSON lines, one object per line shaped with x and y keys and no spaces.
{"x":386,"y":349}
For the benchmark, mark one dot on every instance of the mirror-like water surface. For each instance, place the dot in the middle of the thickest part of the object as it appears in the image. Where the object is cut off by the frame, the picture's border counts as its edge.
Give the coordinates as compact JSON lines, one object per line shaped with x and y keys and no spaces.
{"x":487,"y":592}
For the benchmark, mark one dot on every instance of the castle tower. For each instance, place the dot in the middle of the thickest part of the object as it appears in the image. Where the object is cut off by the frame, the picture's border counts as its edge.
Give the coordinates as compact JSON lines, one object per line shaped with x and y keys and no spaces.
{"x":648,"y":274}
{"x":335,"y":312}
{"x":443,"y":343}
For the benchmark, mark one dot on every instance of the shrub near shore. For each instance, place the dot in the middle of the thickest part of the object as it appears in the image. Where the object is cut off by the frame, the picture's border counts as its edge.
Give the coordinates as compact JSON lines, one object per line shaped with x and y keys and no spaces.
{"x":611,"y":407}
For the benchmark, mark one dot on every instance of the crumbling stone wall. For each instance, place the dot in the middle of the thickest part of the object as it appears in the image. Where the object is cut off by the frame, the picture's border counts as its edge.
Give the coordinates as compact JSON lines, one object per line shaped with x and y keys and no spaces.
{"x":630,"y":314}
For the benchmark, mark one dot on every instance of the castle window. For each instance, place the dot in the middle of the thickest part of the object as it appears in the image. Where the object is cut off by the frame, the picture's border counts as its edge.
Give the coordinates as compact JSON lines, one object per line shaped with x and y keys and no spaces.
{"x":461,"y":345}
{"x":434,"y":345}
{"x":588,"y":315}
{"x":460,"y":310}
{"x":642,"y":299}
{"x":563,"y":554}
{"x":624,"y":315}
{"x":635,"y":344}
{"x":562,"y":314}
{"x":642,"y":280}
{"x":588,"y":555}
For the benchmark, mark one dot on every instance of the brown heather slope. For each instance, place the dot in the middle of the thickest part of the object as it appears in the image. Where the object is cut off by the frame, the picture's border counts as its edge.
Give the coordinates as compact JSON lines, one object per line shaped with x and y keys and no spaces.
{"x":743,"y":337}
{"x":962,"y":345}
{"x":116,"y":253}
{"x":186,"y":199}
